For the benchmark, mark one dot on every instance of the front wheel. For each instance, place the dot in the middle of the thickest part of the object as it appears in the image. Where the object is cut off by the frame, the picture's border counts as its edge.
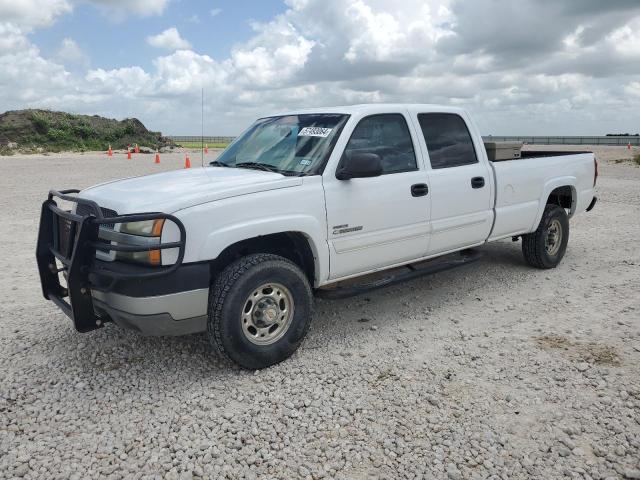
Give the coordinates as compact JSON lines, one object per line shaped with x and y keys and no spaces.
{"x":545,"y":247}
{"x":259,"y":310}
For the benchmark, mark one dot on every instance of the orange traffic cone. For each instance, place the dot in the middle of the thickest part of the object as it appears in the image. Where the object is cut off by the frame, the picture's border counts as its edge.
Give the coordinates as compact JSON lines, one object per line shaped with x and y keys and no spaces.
{"x":128,"y":154}
{"x":187,"y":161}
{"x":137,"y":148}
{"x":206,"y":148}
{"x":157,"y":157}
{"x":109,"y":152}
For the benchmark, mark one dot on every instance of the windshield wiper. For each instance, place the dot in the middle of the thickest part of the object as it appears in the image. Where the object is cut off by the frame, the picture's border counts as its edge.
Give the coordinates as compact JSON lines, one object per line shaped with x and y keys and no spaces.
{"x":216,"y":163}
{"x":258,"y":166}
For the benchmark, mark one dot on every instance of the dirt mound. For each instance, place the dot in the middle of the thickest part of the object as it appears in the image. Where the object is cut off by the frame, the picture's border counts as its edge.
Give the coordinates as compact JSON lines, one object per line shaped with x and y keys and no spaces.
{"x":29,"y":130}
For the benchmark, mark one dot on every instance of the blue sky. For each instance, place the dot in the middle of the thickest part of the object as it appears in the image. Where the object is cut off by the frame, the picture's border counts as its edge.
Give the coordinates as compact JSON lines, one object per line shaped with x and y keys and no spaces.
{"x":114,"y":40}
{"x":532,"y":67}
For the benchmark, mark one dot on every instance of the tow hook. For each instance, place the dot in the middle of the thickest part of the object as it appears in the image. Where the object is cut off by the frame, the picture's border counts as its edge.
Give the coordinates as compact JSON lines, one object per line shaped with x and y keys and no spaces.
{"x":54,"y":269}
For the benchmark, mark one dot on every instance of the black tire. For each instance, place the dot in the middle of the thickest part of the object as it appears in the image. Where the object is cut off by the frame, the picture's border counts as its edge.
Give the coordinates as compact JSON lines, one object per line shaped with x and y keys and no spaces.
{"x":534,"y":246}
{"x":231,"y":293}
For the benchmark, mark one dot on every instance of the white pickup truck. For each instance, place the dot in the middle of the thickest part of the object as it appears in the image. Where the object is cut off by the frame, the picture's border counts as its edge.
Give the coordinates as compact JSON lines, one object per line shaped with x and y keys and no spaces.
{"x":301,"y":202}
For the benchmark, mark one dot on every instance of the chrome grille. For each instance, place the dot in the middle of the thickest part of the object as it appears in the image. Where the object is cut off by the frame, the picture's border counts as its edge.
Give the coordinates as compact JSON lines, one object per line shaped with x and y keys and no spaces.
{"x":83,"y":210}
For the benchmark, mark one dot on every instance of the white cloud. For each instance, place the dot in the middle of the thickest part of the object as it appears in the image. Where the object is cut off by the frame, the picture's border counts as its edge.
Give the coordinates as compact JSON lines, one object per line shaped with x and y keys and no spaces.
{"x":626,"y":39}
{"x":186,"y":72}
{"x":215,"y":12}
{"x":390,"y":36}
{"x":11,"y":39}
{"x":71,"y":53}
{"x":170,"y":39}
{"x":273,"y":57}
{"x":130,"y":82}
{"x":28,"y":14}
{"x":633,"y":89}
{"x":576,"y":75}
{"x":27,"y":77}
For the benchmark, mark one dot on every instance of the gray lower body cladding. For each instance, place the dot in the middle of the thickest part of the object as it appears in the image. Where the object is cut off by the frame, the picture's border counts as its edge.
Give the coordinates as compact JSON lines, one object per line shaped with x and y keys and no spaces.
{"x":180,"y":313}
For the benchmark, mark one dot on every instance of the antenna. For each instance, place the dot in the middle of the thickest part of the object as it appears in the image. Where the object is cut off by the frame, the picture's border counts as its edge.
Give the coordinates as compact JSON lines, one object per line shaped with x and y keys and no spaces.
{"x":202,"y":124}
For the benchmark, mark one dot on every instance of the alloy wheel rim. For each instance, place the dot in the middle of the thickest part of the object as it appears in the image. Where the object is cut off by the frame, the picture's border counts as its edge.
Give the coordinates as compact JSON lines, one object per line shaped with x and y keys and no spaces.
{"x":553,"y":237}
{"x":267,"y":313}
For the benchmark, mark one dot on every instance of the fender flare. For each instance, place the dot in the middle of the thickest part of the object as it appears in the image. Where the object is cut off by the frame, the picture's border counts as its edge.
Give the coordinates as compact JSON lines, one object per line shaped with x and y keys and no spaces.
{"x":220,"y":239}
{"x":550,"y":186}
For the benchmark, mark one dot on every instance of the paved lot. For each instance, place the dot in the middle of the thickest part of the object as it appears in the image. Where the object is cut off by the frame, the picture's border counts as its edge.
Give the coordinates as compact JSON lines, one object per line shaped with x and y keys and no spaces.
{"x":494,"y":370}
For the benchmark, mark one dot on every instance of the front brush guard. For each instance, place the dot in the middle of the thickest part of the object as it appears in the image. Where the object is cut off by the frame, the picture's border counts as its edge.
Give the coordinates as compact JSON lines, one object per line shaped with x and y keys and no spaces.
{"x":72,"y":240}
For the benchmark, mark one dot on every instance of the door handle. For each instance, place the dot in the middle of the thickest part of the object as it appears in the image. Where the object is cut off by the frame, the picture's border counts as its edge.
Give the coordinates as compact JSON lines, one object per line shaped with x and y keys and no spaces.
{"x":477,"y":182}
{"x":419,"y":190}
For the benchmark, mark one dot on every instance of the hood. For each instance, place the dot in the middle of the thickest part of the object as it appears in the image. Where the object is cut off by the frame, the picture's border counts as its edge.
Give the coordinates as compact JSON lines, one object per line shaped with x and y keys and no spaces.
{"x":171,"y":191}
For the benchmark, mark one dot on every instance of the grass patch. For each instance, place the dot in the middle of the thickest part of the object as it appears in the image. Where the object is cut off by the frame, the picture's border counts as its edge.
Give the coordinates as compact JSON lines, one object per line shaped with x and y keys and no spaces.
{"x":6,"y":151}
{"x":591,"y":352}
{"x":635,"y":160}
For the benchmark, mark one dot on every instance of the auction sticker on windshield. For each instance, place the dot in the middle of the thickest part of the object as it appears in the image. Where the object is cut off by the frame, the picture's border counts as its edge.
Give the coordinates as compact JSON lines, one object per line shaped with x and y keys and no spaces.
{"x":314,"y":132}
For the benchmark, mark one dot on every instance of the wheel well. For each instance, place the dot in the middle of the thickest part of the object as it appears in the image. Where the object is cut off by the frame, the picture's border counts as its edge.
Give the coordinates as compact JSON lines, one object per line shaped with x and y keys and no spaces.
{"x":291,"y":245}
{"x":562,"y":196}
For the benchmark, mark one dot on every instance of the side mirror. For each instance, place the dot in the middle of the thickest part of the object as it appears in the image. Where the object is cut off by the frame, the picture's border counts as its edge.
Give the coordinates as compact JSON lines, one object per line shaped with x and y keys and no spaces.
{"x":359,"y":165}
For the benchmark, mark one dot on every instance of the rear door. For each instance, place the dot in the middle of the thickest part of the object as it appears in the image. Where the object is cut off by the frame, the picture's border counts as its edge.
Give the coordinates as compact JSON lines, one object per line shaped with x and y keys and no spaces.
{"x":460,"y":183}
{"x":380,"y":221}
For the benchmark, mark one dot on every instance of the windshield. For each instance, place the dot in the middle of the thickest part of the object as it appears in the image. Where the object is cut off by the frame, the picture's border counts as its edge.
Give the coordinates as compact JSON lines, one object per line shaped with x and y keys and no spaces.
{"x":291,"y":144}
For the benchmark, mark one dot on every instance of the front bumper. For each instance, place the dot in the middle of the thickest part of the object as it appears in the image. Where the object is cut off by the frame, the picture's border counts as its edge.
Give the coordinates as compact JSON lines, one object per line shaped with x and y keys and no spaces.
{"x":96,"y":291}
{"x":180,"y":313}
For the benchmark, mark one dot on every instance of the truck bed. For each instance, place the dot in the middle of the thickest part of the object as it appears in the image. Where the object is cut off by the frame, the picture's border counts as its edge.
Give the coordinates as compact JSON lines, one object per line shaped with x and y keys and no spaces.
{"x":524,"y":184}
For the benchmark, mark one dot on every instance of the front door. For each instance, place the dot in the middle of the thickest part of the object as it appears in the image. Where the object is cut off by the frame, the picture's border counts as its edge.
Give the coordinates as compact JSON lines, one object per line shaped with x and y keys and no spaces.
{"x":380,"y":221}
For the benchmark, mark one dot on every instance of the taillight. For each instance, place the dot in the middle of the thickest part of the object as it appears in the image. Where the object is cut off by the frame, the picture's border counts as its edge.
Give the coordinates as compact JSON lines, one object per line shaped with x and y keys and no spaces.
{"x":595,"y":170}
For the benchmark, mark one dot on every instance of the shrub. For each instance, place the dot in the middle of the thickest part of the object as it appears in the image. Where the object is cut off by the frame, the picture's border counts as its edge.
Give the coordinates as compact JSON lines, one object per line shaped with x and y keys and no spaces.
{"x":129,"y":129}
{"x":6,"y":150}
{"x":58,"y":135}
{"x":83,"y":130}
{"x":40,"y":122}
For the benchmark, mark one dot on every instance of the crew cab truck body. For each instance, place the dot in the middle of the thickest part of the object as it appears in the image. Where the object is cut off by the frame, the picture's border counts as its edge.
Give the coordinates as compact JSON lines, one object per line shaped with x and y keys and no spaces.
{"x":299,"y":202}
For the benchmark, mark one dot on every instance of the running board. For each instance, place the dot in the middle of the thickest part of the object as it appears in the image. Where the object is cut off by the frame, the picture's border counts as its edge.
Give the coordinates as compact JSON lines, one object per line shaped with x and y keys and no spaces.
{"x":408,"y":272}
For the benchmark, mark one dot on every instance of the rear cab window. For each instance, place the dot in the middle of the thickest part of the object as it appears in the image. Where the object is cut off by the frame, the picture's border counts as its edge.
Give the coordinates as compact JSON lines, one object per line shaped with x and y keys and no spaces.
{"x":448,"y":140}
{"x":388,"y":136}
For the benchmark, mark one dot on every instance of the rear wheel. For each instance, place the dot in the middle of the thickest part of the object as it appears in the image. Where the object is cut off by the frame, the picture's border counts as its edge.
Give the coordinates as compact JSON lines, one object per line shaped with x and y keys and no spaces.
{"x":545,"y":247}
{"x":259,"y":310}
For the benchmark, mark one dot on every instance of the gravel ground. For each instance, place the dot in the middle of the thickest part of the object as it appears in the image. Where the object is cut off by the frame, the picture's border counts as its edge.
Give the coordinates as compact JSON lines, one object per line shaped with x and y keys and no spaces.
{"x":494,"y":370}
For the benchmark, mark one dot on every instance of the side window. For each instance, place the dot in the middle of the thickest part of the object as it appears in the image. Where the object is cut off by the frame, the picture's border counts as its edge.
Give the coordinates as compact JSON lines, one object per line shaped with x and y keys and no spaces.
{"x":448,"y":140}
{"x":386,"y":135}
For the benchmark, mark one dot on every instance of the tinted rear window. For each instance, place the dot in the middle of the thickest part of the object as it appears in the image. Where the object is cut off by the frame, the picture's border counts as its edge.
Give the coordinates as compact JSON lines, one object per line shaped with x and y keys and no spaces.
{"x":448,"y":140}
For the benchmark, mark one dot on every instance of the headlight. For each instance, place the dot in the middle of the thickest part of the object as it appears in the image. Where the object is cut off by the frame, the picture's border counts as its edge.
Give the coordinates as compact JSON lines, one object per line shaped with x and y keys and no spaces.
{"x":148,"y":229}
